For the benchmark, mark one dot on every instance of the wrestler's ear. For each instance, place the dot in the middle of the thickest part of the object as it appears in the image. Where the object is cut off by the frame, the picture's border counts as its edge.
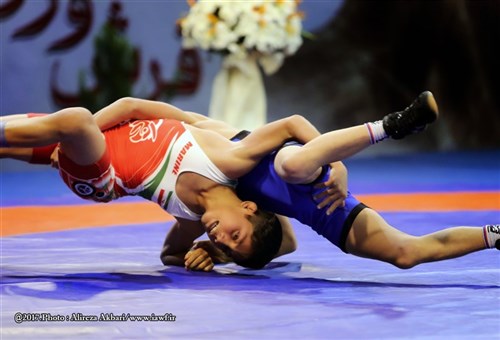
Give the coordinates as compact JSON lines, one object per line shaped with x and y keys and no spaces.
{"x":249,"y":205}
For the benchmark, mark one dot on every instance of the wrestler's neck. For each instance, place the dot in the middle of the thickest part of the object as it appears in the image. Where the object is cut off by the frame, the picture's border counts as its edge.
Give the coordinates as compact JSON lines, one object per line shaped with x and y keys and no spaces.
{"x":199,"y":193}
{"x":220,"y":197}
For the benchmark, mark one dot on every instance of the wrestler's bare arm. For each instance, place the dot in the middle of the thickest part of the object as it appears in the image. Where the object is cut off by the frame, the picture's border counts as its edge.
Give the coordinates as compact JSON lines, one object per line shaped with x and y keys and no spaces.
{"x":179,"y":240}
{"x":247,"y":153}
{"x":134,"y":108}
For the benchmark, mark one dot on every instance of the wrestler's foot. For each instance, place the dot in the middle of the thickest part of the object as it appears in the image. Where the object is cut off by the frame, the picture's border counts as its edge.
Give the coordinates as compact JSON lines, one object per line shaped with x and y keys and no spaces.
{"x":492,"y":233}
{"x":413,"y":119}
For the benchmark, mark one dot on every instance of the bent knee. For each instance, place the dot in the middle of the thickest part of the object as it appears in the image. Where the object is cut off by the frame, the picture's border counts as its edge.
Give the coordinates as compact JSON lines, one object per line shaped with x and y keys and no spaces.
{"x":403,"y":264}
{"x":74,"y":120}
{"x":76,"y":115}
{"x":406,"y":257}
{"x":291,"y":170}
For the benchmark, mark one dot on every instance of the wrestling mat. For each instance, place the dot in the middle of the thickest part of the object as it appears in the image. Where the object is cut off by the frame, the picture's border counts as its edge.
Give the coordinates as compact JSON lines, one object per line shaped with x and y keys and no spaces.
{"x":74,"y":270}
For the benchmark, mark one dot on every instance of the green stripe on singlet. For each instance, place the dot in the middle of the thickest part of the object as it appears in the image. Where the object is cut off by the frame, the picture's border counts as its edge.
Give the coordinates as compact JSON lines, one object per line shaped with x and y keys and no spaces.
{"x":167,"y":200}
{"x":155,"y":182}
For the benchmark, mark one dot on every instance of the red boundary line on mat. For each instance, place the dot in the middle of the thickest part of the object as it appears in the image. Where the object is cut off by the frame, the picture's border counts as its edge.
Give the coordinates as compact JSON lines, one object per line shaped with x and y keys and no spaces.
{"x":35,"y":219}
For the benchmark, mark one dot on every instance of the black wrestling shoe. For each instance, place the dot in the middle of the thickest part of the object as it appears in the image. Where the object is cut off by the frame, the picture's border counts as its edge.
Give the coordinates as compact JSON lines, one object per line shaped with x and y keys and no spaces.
{"x":494,"y":229}
{"x":413,"y":119}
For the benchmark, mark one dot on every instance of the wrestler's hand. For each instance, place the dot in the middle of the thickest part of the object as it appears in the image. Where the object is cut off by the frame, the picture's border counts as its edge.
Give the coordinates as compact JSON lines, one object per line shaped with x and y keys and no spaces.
{"x":335,"y":187}
{"x":198,"y":259}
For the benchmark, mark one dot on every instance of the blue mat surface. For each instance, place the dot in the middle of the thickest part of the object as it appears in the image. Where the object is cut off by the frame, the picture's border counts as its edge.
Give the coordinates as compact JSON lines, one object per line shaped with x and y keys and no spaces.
{"x":108,"y":283}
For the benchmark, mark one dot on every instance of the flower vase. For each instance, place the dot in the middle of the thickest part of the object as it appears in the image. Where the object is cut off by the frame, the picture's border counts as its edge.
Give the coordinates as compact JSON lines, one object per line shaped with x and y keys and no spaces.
{"x":238,"y":94}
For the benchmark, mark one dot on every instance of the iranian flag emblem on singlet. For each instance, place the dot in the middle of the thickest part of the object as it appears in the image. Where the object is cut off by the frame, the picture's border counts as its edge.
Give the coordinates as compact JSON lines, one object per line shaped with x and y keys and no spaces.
{"x":144,"y":149}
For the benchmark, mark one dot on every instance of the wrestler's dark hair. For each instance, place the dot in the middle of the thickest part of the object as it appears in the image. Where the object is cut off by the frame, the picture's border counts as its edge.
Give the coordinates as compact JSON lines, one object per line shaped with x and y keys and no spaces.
{"x":266,"y":240}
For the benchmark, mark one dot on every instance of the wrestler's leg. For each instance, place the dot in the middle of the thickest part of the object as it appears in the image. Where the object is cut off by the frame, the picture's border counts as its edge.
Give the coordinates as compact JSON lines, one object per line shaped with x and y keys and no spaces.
{"x":14,"y":117}
{"x":340,"y":144}
{"x":38,"y":155}
{"x":280,"y":161}
{"x":372,"y":237}
{"x":74,"y":128}
{"x":20,"y":154}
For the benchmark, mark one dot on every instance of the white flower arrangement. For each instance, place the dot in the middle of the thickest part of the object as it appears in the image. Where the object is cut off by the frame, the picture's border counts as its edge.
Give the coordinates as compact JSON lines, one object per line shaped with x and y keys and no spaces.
{"x":269,"y":29}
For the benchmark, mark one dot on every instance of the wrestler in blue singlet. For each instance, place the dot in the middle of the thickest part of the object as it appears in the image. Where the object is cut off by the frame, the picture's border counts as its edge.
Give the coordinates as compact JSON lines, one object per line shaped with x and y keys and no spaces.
{"x":265,"y":187}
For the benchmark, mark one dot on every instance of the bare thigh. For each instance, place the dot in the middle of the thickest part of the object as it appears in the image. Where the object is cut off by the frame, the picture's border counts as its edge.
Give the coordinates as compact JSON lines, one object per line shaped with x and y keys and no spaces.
{"x":74,"y":128}
{"x":372,"y":237}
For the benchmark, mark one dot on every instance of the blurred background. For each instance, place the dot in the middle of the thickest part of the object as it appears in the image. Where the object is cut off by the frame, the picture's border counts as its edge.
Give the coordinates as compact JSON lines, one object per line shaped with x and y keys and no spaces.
{"x":362,"y":60}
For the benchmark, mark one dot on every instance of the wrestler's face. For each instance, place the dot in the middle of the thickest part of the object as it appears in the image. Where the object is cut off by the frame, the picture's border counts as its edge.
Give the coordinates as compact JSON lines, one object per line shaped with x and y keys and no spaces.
{"x":229,"y":229}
